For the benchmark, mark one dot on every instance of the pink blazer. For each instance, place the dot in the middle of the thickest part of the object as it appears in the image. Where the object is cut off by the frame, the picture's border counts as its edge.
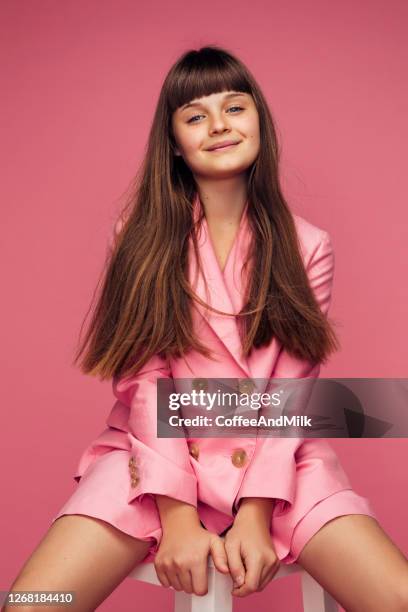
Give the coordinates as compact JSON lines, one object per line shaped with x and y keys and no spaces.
{"x":214,"y":474}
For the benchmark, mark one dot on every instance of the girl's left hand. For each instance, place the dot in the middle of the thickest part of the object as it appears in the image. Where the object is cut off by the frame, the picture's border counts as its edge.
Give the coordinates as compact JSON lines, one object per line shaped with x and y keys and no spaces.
{"x":252,"y":559}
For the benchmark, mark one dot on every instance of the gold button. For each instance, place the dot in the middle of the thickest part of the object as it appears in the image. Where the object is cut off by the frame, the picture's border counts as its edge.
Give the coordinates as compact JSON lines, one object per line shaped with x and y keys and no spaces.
{"x":200,"y":384}
{"x":194,"y":450}
{"x":246,"y":385}
{"x":239,"y":457}
{"x":134,"y":472}
{"x":135,"y":482}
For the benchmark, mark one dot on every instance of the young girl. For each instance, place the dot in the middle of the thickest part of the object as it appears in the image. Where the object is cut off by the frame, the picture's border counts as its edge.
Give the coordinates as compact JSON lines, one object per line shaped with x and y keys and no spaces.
{"x":210,"y":275}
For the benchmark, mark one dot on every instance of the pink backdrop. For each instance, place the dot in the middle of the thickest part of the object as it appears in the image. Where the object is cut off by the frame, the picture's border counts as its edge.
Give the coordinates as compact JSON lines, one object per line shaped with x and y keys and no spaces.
{"x":80,"y":81}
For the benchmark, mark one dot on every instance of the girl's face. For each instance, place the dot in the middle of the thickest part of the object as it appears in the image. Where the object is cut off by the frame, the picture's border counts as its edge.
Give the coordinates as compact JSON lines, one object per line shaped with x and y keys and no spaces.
{"x":214,"y":120}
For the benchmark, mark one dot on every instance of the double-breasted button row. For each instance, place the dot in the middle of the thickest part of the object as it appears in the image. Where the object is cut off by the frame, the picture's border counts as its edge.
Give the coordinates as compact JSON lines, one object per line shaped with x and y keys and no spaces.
{"x":134,"y":473}
{"x":239,"y":456}
{"x":245,"y":385}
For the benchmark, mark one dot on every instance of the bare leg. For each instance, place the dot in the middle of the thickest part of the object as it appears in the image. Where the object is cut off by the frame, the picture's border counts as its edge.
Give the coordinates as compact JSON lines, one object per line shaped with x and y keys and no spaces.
{"x":82,"y":554}
{"x":354,"y":560}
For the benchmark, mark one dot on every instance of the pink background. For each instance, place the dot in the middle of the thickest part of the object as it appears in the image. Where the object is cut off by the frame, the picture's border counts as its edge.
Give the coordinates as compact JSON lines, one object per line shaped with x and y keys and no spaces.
{"x":80,"y":82}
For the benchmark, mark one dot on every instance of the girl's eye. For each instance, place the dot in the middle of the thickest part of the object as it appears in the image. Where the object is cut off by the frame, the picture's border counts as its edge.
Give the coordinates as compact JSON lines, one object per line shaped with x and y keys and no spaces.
{"x":239,"y":107}
{"x":194,"y":117}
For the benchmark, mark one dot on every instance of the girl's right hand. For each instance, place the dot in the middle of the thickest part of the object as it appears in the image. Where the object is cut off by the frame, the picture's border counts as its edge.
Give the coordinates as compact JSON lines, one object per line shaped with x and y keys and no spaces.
{"x":182,"y":558}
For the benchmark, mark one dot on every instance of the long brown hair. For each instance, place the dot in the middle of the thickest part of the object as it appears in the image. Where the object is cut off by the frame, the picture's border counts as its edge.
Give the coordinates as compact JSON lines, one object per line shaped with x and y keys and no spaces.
{"x":144,"y":305}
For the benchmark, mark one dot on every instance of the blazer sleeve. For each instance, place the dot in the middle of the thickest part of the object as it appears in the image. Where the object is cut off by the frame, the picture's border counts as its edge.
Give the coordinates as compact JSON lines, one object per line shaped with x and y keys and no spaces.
{"x":269,"y":451}
{"x":162,"y":465}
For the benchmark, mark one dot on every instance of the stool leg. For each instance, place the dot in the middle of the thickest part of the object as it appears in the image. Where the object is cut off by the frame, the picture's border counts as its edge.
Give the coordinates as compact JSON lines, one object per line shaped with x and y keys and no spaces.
{"x":218,"y":598}
{"x":315,"y":598}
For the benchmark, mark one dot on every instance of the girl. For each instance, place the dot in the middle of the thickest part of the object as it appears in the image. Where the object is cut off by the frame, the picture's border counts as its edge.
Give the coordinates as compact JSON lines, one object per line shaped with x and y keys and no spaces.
{"x":210,"y":275}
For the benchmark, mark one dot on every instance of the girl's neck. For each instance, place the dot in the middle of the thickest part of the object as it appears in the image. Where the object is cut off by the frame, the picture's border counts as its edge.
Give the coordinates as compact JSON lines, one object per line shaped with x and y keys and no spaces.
{"x":223,"y":201}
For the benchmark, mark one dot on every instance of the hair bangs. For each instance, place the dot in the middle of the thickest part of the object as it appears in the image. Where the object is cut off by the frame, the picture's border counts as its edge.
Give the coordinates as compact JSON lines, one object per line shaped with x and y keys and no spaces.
{"x":202,"y":73}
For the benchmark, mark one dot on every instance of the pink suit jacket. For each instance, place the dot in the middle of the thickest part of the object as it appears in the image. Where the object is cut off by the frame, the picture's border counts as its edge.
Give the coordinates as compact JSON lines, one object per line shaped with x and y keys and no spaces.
{"x":214,"y":474}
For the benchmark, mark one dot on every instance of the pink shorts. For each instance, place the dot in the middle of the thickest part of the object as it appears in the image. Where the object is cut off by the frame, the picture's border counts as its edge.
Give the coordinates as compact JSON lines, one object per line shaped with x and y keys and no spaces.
{"x":103,"y":489}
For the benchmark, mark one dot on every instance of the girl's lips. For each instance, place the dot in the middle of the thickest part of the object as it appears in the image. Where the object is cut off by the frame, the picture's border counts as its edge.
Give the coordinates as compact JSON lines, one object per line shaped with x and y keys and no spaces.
{"x":223,"y":148}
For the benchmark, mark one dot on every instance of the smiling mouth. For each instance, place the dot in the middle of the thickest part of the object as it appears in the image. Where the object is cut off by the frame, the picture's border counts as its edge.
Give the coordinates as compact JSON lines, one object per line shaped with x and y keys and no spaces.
{"x":225,"y":148}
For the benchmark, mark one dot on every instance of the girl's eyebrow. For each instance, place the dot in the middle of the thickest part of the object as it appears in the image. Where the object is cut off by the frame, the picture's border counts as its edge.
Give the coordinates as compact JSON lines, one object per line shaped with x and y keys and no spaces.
{"x":227,"y":96}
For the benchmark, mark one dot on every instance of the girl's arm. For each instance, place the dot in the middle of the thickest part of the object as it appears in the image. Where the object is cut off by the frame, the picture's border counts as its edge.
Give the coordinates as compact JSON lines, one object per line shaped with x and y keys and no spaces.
{"x":253,"y":509}
{"x":161,"y":465}
{"x":163,"y":469}
{"x":176,"y":514}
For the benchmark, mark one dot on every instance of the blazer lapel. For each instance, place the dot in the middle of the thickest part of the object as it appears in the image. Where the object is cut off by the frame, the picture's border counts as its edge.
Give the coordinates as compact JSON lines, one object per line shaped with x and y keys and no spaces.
{"x":224,"y":288}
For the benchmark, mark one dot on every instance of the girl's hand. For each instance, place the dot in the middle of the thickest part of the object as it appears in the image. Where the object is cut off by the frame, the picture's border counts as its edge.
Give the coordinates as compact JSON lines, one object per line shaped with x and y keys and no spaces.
{"x":251,"y":556}
{"x":182,"y":558}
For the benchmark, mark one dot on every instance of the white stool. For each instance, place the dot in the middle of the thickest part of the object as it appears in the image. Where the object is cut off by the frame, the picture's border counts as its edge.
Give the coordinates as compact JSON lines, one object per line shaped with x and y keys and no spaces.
{"x":219,"y":598}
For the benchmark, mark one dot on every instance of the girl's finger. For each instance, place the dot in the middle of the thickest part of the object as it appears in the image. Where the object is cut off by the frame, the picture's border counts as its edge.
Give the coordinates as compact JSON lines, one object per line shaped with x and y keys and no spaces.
{"x":219,"y":555}
{"x":267,"y":575}
{"x":235,"y":564}
{"x":264,"y":573}
{"x":199,"y":577}
{"x":253,"y":573}
{"x":185,"y":580}
{"x":163,"y":578}
{"x":175,"y":582}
